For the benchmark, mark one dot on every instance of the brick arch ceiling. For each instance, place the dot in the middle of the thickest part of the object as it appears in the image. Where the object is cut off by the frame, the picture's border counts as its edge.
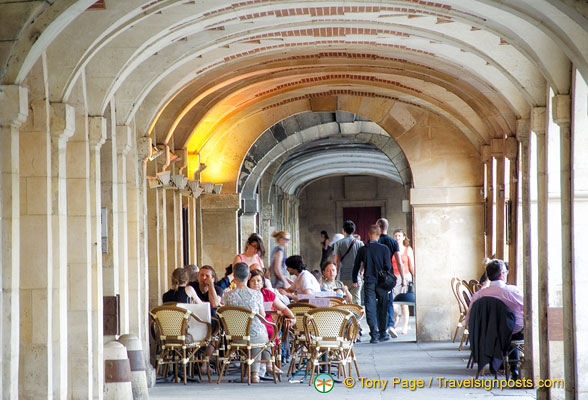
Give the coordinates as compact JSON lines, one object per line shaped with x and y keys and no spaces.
{"x":182,"y":69}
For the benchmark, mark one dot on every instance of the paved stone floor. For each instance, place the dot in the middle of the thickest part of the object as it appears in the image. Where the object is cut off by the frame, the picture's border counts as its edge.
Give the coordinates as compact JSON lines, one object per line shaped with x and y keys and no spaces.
{"x":402,"y":358}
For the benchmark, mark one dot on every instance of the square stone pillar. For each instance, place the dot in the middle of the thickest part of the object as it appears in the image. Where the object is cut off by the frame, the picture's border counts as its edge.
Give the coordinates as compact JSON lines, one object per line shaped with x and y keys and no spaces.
{"x":441,"y":212}
{"x":123,"y":146}
{"x":97,"y":137}
{"x":13,"y":112}
{"x":154,"y":245}
{"x":110,"y":201}
{"x":79,"y":260}
{"x":217,"y":235}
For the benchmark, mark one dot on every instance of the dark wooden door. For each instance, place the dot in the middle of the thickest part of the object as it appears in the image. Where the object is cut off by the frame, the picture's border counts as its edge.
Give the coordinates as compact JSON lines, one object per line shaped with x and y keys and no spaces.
{"x":363,"y":217}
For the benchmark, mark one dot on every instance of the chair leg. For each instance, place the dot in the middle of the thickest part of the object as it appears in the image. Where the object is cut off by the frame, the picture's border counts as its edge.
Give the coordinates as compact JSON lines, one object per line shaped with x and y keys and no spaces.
{"x":456,"y":331}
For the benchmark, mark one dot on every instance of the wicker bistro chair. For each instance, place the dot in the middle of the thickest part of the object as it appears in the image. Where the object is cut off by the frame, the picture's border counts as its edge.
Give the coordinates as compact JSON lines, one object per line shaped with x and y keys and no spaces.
{"x":455,"y":282}
{"x":464,"y":295}
{"x":236,"y":323}
{"x":298,"y":345}
{"x":330,"y":332}
{"x":177,"y":345}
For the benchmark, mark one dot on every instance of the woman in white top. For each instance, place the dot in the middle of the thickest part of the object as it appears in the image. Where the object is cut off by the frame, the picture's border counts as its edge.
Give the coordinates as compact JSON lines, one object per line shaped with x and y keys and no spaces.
{"x":305,"y":282}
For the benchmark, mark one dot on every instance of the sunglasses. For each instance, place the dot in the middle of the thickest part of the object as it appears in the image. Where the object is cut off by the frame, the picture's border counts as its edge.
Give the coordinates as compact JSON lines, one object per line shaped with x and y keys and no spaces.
{"x":254,"y":245}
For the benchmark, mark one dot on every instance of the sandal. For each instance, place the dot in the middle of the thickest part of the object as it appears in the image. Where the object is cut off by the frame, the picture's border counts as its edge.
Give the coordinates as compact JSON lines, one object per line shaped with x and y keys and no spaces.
{"x":254,"y":377}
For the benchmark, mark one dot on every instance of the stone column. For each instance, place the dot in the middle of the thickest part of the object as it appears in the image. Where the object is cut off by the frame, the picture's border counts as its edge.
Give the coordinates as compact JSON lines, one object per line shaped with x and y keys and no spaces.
{"x":497,"y":148}
{"x":218,"y":229}
{"x":62,"y":125}
{"x":511,"y":152}
{"x":172,"y":215}
{"x":135,"y":275}
{"x":489,"y":206}
{"x":79,"y":260}
{"x":248,"y":224}
{"x":562,"y":117}
{"x":110,"y":201}
{"x":123,"y":146}
{"x":154,"y":247}
{"x":143,"y":153}
{"x":265,"y":223}
{"x":163,"y":234}
{"x":97,"y":136}
{"x":523,"y":136}
{"x":538,"y":124}
{"x":13,"y":112}
{"x":192,"y":224}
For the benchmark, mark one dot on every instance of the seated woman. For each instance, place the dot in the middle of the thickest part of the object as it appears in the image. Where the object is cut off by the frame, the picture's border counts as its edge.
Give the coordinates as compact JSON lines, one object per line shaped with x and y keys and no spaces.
{"x":180,"y":291}
{"x":305,"y":282}
{"x":257,"y":282}
{"x":329,"y":282}
{"x":243,"y":296}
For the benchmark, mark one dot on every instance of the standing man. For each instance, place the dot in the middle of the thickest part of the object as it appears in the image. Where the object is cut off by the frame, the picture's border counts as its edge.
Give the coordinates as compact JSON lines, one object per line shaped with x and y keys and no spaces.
{"x":345,"y":251}
{"x":375,"y":257}
{"x":392,"y":245}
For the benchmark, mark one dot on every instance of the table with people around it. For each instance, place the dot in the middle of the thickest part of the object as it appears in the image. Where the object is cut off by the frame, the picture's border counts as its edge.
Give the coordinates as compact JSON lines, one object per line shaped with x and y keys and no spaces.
{"x":257,"y":322}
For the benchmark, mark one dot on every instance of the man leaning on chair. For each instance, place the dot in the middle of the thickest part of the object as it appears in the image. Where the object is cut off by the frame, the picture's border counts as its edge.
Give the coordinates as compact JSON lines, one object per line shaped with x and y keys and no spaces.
{"x":511,"y":296}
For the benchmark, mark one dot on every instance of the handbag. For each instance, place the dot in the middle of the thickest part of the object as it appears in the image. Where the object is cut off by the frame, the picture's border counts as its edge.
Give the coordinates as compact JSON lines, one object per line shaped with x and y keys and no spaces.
{"x":386,"y":280}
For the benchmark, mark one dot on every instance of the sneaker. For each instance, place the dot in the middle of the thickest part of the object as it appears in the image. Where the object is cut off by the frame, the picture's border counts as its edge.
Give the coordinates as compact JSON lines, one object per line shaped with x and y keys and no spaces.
{"x":392,"y":332}
{"x":374,"y":340}
{"x":384,"y":338}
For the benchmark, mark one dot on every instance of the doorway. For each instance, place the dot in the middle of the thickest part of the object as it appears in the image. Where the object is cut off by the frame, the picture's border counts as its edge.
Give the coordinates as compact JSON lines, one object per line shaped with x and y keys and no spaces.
{"x":363,"y":217}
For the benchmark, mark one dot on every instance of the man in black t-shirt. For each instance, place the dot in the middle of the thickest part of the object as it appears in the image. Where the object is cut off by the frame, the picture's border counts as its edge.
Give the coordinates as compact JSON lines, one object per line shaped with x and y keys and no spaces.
{"x":206,"y":289}
{"x":392,"y":245}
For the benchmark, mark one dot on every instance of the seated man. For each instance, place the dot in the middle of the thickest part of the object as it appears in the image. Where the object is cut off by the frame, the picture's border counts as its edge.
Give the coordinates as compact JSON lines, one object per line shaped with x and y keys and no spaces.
{"x":206,"y":289}
{"x":329,"y":282}
{"x":510,"y":295}
{"x":243,"y":296}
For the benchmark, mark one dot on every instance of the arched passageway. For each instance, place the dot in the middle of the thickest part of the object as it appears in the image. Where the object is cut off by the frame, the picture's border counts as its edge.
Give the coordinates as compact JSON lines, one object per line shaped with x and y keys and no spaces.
{"x":100,"y":100}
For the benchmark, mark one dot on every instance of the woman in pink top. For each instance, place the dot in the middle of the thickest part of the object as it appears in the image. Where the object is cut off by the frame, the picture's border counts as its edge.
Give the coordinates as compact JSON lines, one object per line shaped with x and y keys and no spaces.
{"x":407,"y":257}
{"x":254,"y":250}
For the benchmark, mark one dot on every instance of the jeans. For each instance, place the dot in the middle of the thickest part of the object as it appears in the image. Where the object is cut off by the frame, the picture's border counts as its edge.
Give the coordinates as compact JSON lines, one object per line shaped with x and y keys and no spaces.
{"x":391,"y":309}
{"x":376,"y":309}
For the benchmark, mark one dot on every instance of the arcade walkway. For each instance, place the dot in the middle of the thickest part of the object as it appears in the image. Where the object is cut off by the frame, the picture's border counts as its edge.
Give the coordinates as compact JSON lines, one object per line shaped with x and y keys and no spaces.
{"x":406,"y":360}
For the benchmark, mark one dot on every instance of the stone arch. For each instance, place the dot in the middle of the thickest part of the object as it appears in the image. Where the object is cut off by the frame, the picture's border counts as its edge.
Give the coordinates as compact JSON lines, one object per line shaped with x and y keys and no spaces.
{"x":287,"y":135}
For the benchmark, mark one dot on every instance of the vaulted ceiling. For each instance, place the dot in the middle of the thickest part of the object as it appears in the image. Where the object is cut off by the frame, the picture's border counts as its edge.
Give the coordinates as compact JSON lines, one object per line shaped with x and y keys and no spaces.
{"x":212,"y":76}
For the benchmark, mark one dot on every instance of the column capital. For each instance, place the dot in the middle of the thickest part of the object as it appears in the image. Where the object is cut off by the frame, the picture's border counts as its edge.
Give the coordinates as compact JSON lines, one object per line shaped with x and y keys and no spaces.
{"x":97,"y":131}
{"x":123,"y":139}
{"x":538,"y":120}
{"x":497,"y":148}
{"x":523,"y":129}
{"x":13,"y":105}
{"x":511,"y":148}
{"x":143,"y":148}
{"x":62,"y":120}
{"x":485,"y":153}
{"x":561,"y":109}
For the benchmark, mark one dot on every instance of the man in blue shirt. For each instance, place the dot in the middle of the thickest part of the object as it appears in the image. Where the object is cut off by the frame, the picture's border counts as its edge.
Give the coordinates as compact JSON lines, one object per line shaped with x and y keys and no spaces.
{"x":374,"y":257}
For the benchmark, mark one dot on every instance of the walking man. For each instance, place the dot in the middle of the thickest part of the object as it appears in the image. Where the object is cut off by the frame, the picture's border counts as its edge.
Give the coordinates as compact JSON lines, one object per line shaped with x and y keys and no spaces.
{"x":345,"y":251}
{"x":392,"y":245}
{"x":374,"y":257}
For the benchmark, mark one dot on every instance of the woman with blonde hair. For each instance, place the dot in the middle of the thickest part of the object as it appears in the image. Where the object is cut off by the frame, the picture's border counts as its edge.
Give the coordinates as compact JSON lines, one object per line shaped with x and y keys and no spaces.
{"x":407,"y":257}
{"x":181,"y":292}
{"x":278,"y":271}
